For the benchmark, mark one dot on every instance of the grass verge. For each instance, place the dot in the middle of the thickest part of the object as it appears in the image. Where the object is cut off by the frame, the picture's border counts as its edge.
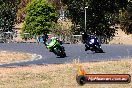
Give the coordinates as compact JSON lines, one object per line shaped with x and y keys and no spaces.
{"x":8,"y":57}
{"x":62,"y":75}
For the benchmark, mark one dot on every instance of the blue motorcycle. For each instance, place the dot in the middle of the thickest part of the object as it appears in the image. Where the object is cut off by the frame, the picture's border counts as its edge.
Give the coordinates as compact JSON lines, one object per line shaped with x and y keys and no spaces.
{"x":92,"y":43}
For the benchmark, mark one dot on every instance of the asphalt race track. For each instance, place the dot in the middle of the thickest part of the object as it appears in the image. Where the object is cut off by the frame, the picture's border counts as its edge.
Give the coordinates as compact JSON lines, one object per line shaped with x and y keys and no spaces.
{"x":73,"y":51}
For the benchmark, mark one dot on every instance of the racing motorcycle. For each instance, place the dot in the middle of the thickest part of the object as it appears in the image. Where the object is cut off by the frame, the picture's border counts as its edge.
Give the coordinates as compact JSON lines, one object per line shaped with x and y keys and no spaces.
{"x":56,"y":47}
{"x":93,"y":44}
{"x":59,"y":51}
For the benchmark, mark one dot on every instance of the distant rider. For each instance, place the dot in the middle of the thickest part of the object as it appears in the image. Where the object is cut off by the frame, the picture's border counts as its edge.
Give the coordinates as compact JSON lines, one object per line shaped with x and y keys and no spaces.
{"x":87,"y":39}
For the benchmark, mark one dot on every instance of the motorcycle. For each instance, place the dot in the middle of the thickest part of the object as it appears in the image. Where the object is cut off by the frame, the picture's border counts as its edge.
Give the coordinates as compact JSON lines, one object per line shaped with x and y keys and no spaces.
{"x":93,"y":45}
{"x":58,"y":49}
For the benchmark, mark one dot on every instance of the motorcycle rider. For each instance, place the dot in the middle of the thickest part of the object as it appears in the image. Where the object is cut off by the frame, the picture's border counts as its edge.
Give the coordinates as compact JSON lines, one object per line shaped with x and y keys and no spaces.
{"x":54,"y":46}
{"x":45,"y":37}
{"x":50,"y":46}
{"x":85,"y":37}
{"x":87,"y":40}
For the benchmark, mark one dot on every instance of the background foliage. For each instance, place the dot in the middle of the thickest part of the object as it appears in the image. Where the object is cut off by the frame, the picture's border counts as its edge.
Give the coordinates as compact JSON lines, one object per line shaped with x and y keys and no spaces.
{"x":23,"y":3}
{"x":100,"y":14}
{"x":8,"y":10}
{"x":40,"y":17}
{"x":21,"y":10}
{"x":126,"y":19}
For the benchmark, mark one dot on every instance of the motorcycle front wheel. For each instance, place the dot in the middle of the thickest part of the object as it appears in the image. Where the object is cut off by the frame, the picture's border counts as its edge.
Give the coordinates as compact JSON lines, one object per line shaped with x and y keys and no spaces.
{"x":63,"y":54}
{"x":99,"y":50}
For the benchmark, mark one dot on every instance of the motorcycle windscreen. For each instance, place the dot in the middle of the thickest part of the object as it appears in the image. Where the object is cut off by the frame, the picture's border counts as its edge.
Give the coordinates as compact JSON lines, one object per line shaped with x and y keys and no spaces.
{"x":91,"y":41}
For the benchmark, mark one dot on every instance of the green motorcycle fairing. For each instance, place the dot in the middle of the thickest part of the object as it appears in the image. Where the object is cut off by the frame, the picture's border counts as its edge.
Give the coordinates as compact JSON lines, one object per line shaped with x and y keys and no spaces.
{"x":52,"y":44}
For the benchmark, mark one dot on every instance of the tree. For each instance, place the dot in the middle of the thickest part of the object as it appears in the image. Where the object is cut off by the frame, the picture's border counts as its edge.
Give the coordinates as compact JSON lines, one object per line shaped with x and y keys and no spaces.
{"x":23,"y":3}
{"x":126,"y":19}
{"x":21,"y":10}
{"x":100,"y":14}
{"x":56,"y":3}
{"x":62,"y":28}
{"x":8,"y":10}
{"x":40,"y":17}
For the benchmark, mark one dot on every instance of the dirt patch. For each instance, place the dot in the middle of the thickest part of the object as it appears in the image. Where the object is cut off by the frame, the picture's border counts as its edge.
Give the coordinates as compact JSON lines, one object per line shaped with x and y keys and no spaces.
{"x":7,"y":57}
{"x":63,"y":75}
